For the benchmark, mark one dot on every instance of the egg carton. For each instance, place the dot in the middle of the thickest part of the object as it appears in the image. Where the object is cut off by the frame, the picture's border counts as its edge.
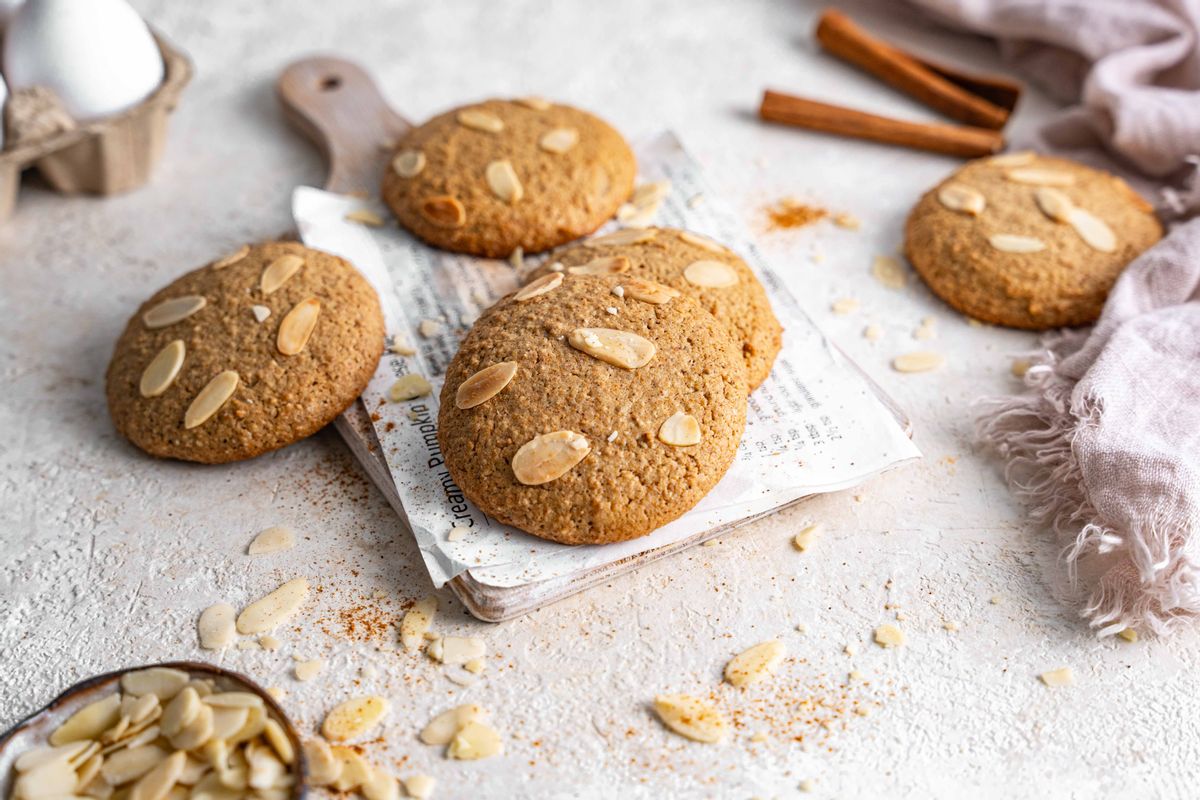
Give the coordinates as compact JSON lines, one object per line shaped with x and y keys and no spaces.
{"x":106,"y":156}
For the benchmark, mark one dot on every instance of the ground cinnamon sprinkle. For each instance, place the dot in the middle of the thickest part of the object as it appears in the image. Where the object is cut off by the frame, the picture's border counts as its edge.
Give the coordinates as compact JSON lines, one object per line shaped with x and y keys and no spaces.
{"x":789,"y":213}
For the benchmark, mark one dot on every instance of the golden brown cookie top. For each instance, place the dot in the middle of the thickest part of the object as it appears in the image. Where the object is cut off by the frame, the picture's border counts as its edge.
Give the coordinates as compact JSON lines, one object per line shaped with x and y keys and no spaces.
{"x":1026,"y":240}
{"x":703,"y":269}
{"x":488,"y":178}
{"x":603,"y":417}
{"x":250,"y":353}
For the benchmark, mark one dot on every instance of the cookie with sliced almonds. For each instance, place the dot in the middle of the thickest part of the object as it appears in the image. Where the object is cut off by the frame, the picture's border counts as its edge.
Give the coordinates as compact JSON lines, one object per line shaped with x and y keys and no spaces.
{"x":251,"y":352}
{"x":585,"y":415}
{"x":697,"y":266}
{"x":495,"y":176}
{"x":1026,"y":240}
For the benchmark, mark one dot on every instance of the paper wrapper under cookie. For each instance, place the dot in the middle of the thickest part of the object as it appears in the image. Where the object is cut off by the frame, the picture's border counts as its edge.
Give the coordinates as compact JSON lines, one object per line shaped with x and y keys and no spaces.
{"x":107,"y":156}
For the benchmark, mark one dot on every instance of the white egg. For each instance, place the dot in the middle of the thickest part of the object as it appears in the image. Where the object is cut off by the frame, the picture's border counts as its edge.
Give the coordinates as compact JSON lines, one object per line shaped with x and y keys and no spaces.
{"x":97,"y":55}
{"x":8,"y":8}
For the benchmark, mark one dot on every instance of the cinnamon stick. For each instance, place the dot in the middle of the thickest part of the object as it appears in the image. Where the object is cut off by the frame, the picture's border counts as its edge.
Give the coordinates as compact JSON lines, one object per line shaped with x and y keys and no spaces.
{"x":955,"y":140}
{"x":838,"y":34}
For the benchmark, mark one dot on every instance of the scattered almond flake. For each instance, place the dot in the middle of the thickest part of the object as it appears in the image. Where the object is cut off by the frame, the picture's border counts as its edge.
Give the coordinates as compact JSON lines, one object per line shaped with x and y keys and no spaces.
{"x":232,"y":258}
{"x":651,"y":192}
{"x":807,"y":785}
{"x":503,"y":181}
{"x":850,"y":650}
{"x":168,"y":312}
{"x":279,"y":271}
{"x":278,"y":694}
{"x":416,"y":622}
{"x":307,"y":670}
{"x":695,"y":201}
{"x":516,"y":259}
{"x":365,"y":216}
{"x":888,"y":271}
{"x":755,"y":664}
{"x":535,"y":103}
{"x":402,"y":348}
{"x":248,"y":644}
{"x":1128,"y":634}
{"x":997,"y":599}
{"x":480,"y":120}
{"x":269,"y":642}
{"x":1013,"y":243}
{"x":1053,"y":203}
{"x":711,"y":543}
{"x":1018,"y":159}
{"x":887,"y":635}
{"x":297,"y":326}
{"x":380,"y":786}
{"x":612,"y":310}
{"x":804,"y":539}
{"x":260,"y":312}
{"x":443,"y":728}
{"x":847,"y":221}
{"x":920,"y":361}
{"x":612,"y":437}
{"x":1058,"y":677}
{"x":419,"y":787}
{"x":210,"y":399}
{"x":759,"y":736}
{"x":680,"y":430}
{"x":474,"y":741}
{"x":926,"y":330}
{"x":216,"y":627}
{"x":789,"y":213}
{"x":429,"y":327}
{"x":1020,"y":366}
{"x":844,"y":305}
{"x":456,"y":533}
{"x":964,"y":199}
{"x":453,"y":650}
{"x":801,"y":627}
{"x":621,"y":238}
{"x":475,"y":666}
{"x":351,"y":718}
{"x":619,"y":291}
{"x":274,"y":609}
{"x":691,"y":717}
{"x":559,"y":140}
{"x":162,"y":370}
{"x":444,"y":211}
{"x":872,"y":333}
{"x":408,"y":163}
{"x":862,"y":711}
{"x":623,"y":349}
{"x":539,"y":287}
{"x":409,"y":387}
{"x":1094,"y":231}
{"x":1040,"y":177}
{"x":950,"y":626}
{"x":854,"y":675}
{"x":901,"y":616}
{"x":275,"y":539}
{"x":708,"y":274}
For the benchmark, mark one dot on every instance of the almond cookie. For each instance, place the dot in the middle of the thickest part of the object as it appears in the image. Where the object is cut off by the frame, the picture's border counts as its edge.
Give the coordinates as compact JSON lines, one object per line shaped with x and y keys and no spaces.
{"x":585,"y":417}
{"x":697,"y":266}
{"x":1028,"y":241}
{"x":489,"y":178}
{"x":252,"y":352}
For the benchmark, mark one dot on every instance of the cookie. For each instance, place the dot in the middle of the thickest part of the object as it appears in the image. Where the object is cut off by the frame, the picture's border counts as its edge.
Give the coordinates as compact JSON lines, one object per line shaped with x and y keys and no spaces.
{"x":250,"y":353}
{"x":1028,"y":241}
{"x":489,"y":178}
{"x":697,"y":266}
{"x":585,"y":417}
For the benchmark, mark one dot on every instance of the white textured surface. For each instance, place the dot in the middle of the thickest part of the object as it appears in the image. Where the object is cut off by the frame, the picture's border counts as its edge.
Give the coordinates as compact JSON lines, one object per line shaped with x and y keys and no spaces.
{"x":108,"y":557}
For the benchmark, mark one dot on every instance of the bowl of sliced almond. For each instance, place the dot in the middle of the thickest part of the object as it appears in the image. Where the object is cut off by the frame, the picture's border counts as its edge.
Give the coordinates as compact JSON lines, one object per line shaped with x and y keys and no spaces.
{"x":175,"y":731}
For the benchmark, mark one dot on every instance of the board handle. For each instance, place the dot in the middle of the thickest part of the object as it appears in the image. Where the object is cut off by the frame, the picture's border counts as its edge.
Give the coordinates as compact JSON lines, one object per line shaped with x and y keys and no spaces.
{"x":335,"y":103}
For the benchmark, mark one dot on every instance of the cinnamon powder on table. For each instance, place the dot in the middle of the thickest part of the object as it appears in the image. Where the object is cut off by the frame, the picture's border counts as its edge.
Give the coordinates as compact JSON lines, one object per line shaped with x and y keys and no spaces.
{"x":789,"y":214}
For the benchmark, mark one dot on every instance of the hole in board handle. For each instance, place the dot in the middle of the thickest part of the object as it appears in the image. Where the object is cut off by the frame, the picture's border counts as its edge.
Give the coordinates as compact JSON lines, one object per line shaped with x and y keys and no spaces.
{"x":330,"y":83}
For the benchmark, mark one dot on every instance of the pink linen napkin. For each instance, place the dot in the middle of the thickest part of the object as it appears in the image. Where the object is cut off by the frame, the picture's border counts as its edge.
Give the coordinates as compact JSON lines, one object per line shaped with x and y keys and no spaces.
{"x":1104,"y":444}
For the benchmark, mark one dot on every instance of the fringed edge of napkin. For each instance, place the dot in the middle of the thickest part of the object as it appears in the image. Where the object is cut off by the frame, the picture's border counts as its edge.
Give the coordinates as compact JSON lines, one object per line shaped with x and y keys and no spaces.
{"x":1143,"y":578}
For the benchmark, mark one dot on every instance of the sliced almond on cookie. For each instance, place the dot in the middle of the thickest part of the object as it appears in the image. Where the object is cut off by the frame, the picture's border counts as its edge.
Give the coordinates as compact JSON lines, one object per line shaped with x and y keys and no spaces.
{"x":210,"y":399}
{"x":444,"y":211}
{"x":480,"y":120}
{"x":710,"y":274}
{"x":964,"y":199}
{"x":1053,"y":203}
{"x":535,"y":103}
{"x":559,"y":140}
{"x":279,"y":271}
{"x":408,"y":163}
{"x":549,"y":456}
{"x":503,"y":181}
{"x":1018,"y":159}
{"x":232,"y":258}
{"x":1040,"y":177}
{"x":538,"y":287}
{"x":1093,"y":230}
{"x":648,"y":291}
{"x":484,"y":384}
{"x":622,"y":238}
{"x":168,"y":312}
{"x":702,"y":242}
{"x":298,"y":326}
{"x":606,"y":265}
{"x":162,"y":370}
{"x":619,"y":348}
{"x":680,"y":430}
{"x":1014,"y":243}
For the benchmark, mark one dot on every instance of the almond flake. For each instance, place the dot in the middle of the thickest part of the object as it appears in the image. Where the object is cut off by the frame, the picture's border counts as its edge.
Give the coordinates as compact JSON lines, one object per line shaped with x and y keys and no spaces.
{"x":549,"y":456}
{"x":162,"y":370}
{"x":1040,"y":177}
{"x":457,"y":533}
{"x":228,"y":721}
{"x":539,"y":287}
{"x":1058,"y":677}
{"x":964,"y":199}
{"x":307,"y":670}
{"x":920,"y":361}
{"x":53,"y":779}
{"x":297,"y":326}
{"x":888,"y":635}
{"x":484,"y":384}
{"x":279,"y":272}
{"x":416,"y":622}
{"x":1018,"y":159}
{"x":354,"y":717}
{"x":280,"y":743}
{"x":474,"y":741}
{"x":409,"y":387}
{"x":272,"y":540}
{"x":926,"y":330}
{"x":804,"y":539}
{"x":535,"y":103}
{"x":269,"y":642}
{"x":887,"y":271}
{"x":444,"y":211}
{"x":274,"y":609}
{"x":702,"y":242}
{"x":162,"y":682}
{"x":475,"y":666}
{"x":365,"y":216}
{"x":691,"y":717}
{"x":180,"y":712}
{"x":872,"y":333}
{"x":323,"y":768}
{"x":559,"y":140}
{"x":516,"y":260}
{"x":132,"y":763}
{"x":168,"y":312}
{"x":232,"y":258}
{"x":1093,"y":230}
{"x":402,"y":348}
{"x":408,"y":163}
{"x":429,"y":328}
{"x":381,"y":786}
{"x":480,"y":120}
{"x":622,"y":238}
{"x":216,"y":627}
{"x":354,"y":770}
{"x":1053,"y":203}
{"x":456,"y":649}
{"x":651,"y":193}
{"x":260,"y":313}
{"x":637,"y":216}
{"x":619,"y":348}
{"x":88,"y":722}
{"x":753,"y":665}
{"x":210,"y":399}
{"x":31,"y":759}
{"x":847,"y":221}
{"x":443,"y":728}
{"x":680,"y":430}
{"x":710,"y":274}
{"x":1013,"y":243}
{"x":155,"y":784}
{"x":419,"y":787}
{"x":503,"y":181}
{"x":646,"y":291}
{"x":843,"y":305}
{"x":612,"y":437}
{"x":605,"y":265}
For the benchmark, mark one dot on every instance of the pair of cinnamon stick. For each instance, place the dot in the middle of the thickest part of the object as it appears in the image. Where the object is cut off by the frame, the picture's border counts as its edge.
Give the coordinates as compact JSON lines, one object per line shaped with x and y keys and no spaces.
{"x":984,"y":103}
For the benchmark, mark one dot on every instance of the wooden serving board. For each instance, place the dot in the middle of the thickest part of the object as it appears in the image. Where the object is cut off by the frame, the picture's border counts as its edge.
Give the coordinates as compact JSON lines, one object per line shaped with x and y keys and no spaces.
{"x":337,"y":105}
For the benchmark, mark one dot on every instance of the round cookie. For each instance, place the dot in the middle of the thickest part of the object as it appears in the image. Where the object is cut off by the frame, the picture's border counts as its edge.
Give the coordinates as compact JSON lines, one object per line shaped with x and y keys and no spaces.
{"x":489,"y":178}
{"x":1028,"y":241}
{"x":666,"y":255}
{"x":582,"y":484}
{"x":197,"y":375}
